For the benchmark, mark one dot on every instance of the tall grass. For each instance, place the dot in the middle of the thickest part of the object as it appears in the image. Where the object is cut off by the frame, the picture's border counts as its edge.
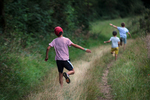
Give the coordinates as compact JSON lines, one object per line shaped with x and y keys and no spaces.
{"x":23,"y":69}
{"x":129,"y":76}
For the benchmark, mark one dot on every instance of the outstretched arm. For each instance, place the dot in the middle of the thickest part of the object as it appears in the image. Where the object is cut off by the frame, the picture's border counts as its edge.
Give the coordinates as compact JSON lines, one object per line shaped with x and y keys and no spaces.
{"x":77,"y":46}
{"x":47,"y":50}
{"x":113,"y":25}
{"x":107,"y":41}
{"x":130,"y":34}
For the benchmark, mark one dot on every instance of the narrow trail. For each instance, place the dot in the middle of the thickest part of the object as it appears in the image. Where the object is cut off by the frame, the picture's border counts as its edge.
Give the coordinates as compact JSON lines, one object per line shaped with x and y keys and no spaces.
{"x":75,"y":89}
{"x":104,"y":86}
{"x":51,"y":89}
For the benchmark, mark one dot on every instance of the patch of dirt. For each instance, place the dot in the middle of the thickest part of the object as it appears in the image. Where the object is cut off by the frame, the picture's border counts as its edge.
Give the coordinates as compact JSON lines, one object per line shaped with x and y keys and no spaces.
{"x":104,"y":87}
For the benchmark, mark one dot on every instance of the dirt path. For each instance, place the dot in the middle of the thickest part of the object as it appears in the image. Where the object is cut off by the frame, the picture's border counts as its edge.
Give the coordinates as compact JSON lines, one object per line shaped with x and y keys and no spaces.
{"x":75,"y":89}
{"x":104,"y":87}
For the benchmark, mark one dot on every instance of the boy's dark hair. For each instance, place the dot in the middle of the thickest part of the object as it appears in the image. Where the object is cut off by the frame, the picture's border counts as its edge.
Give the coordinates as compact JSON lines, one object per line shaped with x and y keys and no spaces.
{"x":60,"y":33}
{"x":123,"y":24}
{"x":114,"y":33}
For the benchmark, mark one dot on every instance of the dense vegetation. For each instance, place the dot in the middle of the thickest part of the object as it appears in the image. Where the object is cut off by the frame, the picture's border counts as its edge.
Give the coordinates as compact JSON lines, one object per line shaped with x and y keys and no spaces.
{"x":26,"y":28}
{"x":40,"y":17}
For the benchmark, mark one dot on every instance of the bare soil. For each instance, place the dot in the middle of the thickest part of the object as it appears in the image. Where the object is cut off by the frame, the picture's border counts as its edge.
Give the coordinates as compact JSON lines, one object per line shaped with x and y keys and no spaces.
{"x":104,"y":86}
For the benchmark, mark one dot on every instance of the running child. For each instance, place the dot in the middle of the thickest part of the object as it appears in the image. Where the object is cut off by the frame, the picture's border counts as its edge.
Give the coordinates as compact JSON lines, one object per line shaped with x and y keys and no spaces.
{"x":60,"y":45}
{"x":122,"y":31}
{"x":115,"y":42}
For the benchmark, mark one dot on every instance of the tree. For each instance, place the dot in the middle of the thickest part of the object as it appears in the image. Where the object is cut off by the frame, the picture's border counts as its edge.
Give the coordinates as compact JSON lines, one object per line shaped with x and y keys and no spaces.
{"x":2,"y":18}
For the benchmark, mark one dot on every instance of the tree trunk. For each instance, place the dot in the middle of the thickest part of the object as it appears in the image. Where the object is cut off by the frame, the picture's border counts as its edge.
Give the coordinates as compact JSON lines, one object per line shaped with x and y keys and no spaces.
{"x":2,"y":18}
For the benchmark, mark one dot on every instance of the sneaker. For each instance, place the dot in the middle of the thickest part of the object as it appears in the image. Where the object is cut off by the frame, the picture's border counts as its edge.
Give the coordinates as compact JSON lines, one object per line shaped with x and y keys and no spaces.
{"x":67,"y":77}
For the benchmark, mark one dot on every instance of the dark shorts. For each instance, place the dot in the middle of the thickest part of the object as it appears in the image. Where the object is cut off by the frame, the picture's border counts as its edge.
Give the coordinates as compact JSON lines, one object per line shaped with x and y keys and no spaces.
{"x":61,"y":64}
{"x":123,"y":40}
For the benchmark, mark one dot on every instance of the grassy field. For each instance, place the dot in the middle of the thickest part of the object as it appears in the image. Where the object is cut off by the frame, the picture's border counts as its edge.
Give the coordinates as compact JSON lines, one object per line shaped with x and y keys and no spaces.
{"x":129,"y":76}
{"x":89,"y":89}
{"x":26,"y":69}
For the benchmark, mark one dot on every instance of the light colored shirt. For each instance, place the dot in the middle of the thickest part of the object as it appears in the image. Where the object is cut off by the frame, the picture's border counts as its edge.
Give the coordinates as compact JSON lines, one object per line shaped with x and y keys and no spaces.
{"x":123,"y":31}
{"x":61,"y":47}
{"x":115,"y":41}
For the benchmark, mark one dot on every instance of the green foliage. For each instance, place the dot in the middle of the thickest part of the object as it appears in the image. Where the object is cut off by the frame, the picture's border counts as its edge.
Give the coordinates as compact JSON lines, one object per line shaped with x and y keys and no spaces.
{"x":21,"y":69}
{"x":20,"y":73}
{"x":27,"y":17}
{"x":115,"y":8}
{"x":41,"y":17}
{"x":145,"y":21}
{"x":140,"y":25}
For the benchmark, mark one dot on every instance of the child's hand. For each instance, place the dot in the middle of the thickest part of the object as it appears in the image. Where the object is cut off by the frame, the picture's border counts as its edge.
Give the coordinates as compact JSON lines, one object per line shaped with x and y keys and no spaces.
{"x":46,"y":59}
{"x":88,"y":50}
{"x":110,"y":24}
{"x":104,"y":41}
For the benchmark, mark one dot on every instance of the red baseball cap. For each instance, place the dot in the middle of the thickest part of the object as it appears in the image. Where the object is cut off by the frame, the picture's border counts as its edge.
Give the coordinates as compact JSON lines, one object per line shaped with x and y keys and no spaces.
{"x":57,"y":30}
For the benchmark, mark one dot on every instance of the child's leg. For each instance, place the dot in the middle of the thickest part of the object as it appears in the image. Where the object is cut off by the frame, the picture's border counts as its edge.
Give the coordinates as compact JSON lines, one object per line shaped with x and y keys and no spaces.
{"x":116,"y":53}
{"x":69,"y":67}
{"x":115,"y":56}
{"x":71,"y":72}
{"x":112,"y":50}
{"x":125,"y":41}
{"x":61,"y":79}
{"x":124,"y":46}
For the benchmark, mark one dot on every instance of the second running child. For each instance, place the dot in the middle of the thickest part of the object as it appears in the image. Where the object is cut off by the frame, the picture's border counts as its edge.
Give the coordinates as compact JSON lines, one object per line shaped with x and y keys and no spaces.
{"x":115,"y":44}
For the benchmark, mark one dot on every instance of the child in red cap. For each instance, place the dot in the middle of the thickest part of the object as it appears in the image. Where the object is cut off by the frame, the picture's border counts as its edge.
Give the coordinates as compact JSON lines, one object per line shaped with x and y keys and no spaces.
{"x":60,"y":45}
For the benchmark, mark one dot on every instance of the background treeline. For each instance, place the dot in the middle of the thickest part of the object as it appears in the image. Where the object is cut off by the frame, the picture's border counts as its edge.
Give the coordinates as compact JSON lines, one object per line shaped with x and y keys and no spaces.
{"x":27,"y":26}
{"x":40,"y":17}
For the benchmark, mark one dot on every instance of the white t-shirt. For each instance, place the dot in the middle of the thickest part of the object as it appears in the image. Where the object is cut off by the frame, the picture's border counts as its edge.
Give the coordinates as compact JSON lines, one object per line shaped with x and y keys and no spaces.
{"x":115,"y":41}
{"x":61,"y":47}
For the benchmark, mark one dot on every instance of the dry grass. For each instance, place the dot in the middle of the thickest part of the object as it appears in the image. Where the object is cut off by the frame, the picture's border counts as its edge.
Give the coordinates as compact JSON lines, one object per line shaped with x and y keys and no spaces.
{"x":51,"y":89}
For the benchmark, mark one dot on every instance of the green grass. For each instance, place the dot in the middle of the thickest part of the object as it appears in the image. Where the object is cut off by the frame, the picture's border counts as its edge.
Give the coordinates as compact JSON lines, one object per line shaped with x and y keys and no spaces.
{"x":129,"y":75}
{"x":22,"y":70}
{"x":92,"y":85}
{"x":104,"y":31}
{"x":103,"y":27}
